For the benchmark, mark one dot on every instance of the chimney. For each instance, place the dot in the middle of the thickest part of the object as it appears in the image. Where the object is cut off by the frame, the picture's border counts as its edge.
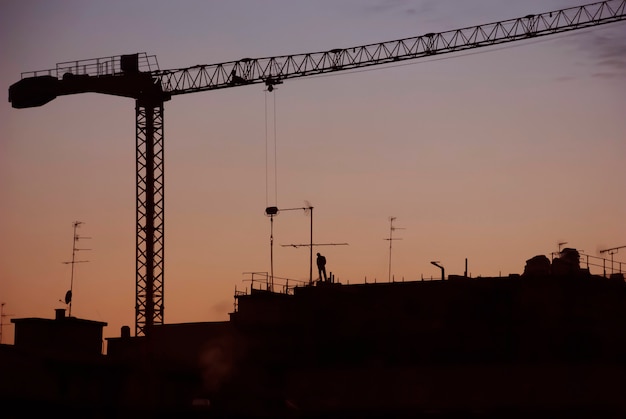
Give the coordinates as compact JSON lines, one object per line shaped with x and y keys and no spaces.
{"x":59,"y":313}
{"x":125,"y":332}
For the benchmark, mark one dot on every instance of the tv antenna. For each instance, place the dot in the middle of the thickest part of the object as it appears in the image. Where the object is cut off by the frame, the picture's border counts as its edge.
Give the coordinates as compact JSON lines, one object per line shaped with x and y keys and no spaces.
{"x":75,"y":249}
{"x":612,"y":251}
{"x":272,"y":212}
{"x":391,"y":239}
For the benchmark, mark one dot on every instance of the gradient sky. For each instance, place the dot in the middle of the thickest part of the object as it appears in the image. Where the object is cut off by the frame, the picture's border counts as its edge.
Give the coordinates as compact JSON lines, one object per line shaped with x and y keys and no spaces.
{"x":494,"y":156}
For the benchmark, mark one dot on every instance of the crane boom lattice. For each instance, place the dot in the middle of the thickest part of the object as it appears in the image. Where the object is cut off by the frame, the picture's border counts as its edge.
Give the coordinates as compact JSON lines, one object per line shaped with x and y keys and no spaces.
{"x":274,"y":69}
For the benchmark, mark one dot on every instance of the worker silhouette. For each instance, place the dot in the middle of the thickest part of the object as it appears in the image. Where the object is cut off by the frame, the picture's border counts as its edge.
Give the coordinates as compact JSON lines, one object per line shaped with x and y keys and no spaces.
{"x":321,"y":266}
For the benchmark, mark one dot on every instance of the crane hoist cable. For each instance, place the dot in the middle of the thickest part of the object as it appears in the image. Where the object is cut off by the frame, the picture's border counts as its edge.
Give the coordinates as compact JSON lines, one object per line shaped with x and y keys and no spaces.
{"x":268,"y":146}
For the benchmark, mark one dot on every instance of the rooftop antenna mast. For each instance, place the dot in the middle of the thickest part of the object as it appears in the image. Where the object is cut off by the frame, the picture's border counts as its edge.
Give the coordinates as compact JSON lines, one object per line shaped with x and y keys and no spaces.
{"x":271,"y":212}
{"x":391,"y":239}
{"x":560,"y":245}
{"x":2,"y":323}
{"x":611,"y":251}
{"x":75,"y":239}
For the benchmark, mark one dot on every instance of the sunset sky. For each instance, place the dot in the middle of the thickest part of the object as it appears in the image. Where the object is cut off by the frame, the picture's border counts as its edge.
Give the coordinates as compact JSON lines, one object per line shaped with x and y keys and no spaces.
{"x":495,"y":156}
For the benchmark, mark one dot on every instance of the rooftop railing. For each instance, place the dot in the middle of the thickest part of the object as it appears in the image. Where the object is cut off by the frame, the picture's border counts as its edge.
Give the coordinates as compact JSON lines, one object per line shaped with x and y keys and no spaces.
{"x":103,"y":66}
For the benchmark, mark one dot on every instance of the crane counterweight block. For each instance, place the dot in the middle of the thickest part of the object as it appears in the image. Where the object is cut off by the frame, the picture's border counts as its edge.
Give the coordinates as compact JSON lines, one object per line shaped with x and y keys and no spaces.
{"x":33,"y":91}
{"x":39,"y":90}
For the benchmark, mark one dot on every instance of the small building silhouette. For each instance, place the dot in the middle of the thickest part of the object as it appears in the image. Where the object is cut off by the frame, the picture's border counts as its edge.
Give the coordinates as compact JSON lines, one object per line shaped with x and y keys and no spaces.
{"x":63,"y":336}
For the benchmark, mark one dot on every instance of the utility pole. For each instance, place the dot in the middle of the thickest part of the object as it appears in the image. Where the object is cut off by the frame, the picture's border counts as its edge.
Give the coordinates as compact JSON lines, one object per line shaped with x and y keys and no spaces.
{"x":75,"y":239}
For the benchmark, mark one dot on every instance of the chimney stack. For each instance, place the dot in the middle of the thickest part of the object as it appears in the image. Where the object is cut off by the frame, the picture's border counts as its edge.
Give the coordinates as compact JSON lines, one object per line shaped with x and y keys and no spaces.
{"x":60,"y":313}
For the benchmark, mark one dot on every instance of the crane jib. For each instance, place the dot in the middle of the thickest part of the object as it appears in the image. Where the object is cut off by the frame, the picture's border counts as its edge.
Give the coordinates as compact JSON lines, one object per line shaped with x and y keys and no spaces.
{"x":273,"y":70}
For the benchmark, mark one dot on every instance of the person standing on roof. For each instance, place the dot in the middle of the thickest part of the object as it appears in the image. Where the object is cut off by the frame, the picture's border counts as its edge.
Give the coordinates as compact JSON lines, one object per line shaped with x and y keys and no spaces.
{"x":321,"y":266}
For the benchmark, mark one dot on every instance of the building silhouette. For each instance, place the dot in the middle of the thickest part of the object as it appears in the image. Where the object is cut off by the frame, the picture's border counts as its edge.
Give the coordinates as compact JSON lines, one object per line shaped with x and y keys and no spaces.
{"x":547,"y":342}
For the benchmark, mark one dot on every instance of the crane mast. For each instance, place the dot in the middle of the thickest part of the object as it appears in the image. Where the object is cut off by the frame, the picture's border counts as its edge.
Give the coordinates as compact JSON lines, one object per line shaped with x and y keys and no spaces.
{"x":150,"y":216}
{"x":138,"y":76}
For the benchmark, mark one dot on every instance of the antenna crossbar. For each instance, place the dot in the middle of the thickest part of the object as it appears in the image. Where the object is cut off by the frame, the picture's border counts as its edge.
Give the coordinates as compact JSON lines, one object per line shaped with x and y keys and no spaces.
{"x":391,"y":239}
{"x":314,"y":244}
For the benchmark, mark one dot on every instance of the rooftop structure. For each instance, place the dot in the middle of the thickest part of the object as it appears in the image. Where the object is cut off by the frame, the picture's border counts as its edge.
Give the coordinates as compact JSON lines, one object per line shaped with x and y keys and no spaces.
{"x":62,"y":336}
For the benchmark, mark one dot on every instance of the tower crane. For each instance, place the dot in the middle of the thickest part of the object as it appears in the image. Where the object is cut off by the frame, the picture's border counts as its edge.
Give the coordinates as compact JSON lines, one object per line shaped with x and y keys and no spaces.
{"x":137,"y":76}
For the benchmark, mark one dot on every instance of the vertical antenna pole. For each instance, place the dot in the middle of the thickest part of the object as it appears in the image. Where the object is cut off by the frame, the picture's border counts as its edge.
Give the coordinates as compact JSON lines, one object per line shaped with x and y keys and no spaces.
{"x":1,"y":320}
{"x":271,"y":212}
{"x":2,"y":317}
{"x":75,"y":239}
{"x":311,"y":249}
{"x":390,"y":238}
{"x":390,"y":242}
{"x":271,"y":253}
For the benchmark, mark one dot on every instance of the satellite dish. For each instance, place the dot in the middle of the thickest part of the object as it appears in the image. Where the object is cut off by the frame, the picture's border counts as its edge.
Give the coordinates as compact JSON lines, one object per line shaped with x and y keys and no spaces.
{"x":68,"y":297}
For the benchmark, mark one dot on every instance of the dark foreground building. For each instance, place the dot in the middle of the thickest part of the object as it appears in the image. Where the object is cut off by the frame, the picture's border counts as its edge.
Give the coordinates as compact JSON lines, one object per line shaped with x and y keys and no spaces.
{"x":548,"y":343}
